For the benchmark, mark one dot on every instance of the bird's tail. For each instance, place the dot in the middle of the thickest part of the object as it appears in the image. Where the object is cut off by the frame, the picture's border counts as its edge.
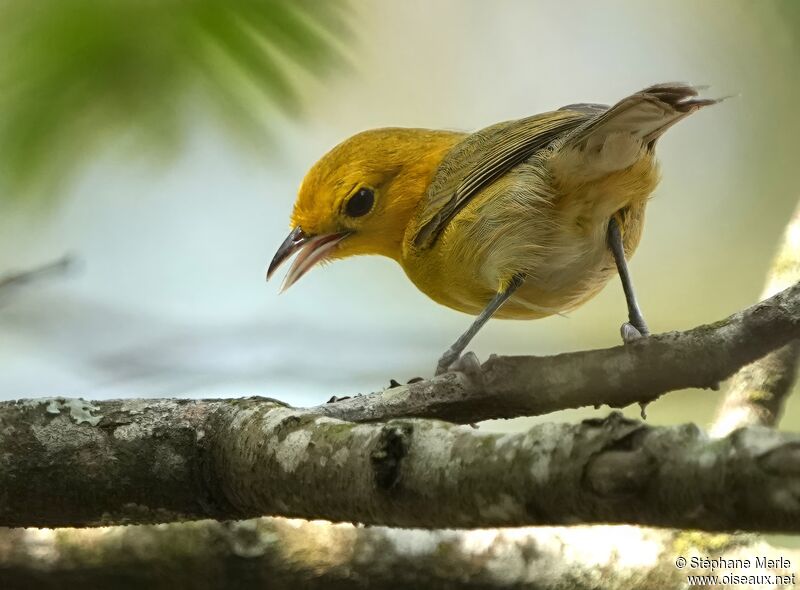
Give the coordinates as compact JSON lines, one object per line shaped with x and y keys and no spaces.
{"x":646,"y":115}
{"x":618,"y":137}
{"x":607,"y":163}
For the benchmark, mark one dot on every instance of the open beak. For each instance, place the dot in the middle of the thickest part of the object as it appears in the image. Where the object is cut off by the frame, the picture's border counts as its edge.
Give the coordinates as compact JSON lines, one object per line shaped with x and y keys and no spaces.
{"x":312,"y":249}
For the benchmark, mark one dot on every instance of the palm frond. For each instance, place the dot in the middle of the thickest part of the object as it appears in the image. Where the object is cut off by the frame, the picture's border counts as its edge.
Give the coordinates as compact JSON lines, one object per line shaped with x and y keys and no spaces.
{"x":76,"y":73}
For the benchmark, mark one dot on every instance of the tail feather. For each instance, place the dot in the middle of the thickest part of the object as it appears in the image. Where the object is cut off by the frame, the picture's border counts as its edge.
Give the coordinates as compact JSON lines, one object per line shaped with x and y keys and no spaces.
{"x":645,"y":115}
{"x":616,"y":137}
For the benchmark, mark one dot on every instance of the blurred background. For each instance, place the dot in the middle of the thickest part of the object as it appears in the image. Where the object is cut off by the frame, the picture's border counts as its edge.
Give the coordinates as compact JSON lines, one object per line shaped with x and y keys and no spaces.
{"x":160,"y":145}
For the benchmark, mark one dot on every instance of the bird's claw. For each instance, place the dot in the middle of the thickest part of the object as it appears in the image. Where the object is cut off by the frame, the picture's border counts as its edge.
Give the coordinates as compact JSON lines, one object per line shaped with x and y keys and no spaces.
{"x":630,"y":333}
{"x":467,"y":364}
{"x":470,"y":366}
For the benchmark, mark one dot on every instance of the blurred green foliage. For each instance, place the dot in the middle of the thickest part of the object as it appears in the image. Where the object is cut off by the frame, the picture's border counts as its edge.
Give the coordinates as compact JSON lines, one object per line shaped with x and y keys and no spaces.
{"x":75,"y":73}
{"x":790,"y":9}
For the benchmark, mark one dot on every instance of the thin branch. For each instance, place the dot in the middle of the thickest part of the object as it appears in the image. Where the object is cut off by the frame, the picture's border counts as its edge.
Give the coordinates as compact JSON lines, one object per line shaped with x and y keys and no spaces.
{"x":508,"y":387}
{"x":279,"y":553}
{"x":756,"y":394}
{"x":139,"y":461}
{"x":18,"y":278}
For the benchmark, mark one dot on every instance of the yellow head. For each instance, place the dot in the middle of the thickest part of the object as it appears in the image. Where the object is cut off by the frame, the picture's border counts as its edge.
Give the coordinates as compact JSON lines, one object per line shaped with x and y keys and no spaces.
{"x":359,"y":198}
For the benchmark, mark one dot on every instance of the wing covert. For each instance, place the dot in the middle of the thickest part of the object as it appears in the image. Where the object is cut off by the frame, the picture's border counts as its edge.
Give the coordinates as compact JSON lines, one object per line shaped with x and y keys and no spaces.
{"x":484,"y":156}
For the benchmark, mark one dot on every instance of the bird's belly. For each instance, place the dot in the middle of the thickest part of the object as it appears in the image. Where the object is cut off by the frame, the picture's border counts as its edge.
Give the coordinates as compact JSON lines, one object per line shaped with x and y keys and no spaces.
{"x":522,"y":227}
{"x":465,"y":277}
{"x":531,"y":300}
{"x":537,"y":299}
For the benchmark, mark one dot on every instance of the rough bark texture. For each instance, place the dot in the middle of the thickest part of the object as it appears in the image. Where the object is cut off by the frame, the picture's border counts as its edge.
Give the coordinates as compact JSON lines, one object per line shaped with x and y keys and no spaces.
{"x":142,"y":461}
{"x":756,"y":393}
{"x":507,"y":387}
{"x":70,"y":462}
{"x":279,"y":553}
{"x":67,"y":461}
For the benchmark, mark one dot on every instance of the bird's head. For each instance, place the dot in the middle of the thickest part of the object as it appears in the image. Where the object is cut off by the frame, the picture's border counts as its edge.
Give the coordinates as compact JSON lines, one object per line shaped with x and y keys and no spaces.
{"x":359,"y":198}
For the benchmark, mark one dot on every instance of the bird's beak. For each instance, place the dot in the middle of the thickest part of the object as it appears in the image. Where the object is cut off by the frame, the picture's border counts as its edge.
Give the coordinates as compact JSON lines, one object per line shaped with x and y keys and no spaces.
{"x":312,"y":249}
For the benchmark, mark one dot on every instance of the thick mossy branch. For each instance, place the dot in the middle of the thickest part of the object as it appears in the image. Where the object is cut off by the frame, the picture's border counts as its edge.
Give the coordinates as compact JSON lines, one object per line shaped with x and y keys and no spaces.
{"x":279,"y":553}
{"x":508,"y":387}
{"x":73,"y":463}
{"x":69,"y":462}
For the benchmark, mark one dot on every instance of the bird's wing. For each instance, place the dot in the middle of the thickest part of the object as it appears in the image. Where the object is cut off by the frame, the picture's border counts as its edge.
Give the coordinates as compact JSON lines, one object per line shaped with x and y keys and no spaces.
{"x":646,"y":114}
{"x":588,"y":108}
{"x":484,"y":156}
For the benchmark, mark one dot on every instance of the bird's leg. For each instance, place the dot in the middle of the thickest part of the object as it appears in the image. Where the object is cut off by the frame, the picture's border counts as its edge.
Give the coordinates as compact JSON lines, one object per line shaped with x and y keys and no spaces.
{"x":635,"y":327}
{"x":454,"y":352}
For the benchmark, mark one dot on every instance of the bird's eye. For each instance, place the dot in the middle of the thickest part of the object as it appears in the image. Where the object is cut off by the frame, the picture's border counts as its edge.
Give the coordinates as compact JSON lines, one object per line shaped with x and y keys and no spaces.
{"x":360,"y":203}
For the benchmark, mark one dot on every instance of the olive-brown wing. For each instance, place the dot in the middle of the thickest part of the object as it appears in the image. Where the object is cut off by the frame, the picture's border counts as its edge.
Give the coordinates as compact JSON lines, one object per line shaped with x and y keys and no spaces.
{"x":484,"y":156}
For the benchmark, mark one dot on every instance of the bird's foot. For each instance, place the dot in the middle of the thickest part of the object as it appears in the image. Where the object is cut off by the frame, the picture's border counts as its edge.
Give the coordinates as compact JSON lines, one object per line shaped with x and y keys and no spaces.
{"x":467,"y":364}
{"x":446,"y":361}
{"x":631,"y":333}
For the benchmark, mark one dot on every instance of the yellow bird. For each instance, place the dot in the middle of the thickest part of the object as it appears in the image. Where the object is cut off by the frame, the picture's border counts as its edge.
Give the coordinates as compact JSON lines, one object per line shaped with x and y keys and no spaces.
{"x":523,"y":219}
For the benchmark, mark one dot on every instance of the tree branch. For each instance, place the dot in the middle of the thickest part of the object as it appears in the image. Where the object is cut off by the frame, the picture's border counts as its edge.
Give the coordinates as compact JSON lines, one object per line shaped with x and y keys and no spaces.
{"x":18,"y":278}
{"x":138,"y":461}
{"x":280,"y":553}
{"x":163,"y":460}
{"x":757,"y":392}
{"x":508,"y":387}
